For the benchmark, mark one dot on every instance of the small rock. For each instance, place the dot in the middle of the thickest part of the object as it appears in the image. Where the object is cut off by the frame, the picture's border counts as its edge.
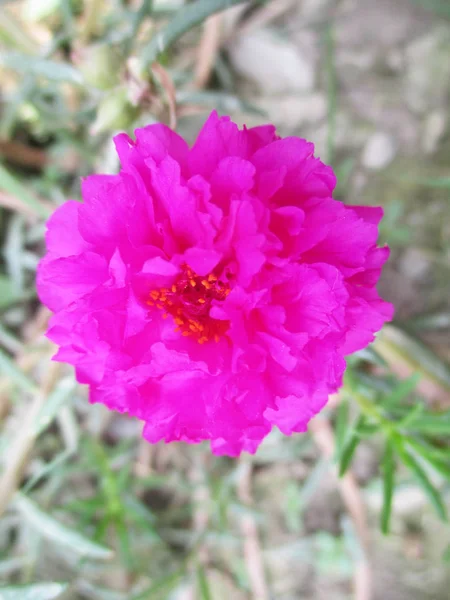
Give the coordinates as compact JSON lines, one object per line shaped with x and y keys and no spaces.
{"x":290,"y":112}
{"x":434,"y":129}
{"x":379,"y":151}
{"x":427,"y":74}
{"x":273,"y":64}
{"x":414,"y":263}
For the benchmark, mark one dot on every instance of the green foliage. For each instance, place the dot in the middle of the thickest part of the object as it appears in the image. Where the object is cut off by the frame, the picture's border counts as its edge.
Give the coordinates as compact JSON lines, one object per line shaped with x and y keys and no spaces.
{"x":39,"y":591}
{"x":53,"y":530}
{"x":184,"y":20}
{"x":118,"y":523}
{"x":414,"y":435}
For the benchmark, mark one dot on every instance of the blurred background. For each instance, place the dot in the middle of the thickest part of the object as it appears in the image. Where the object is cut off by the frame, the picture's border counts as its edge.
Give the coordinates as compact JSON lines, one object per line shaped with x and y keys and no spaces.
{"x":88,"y":510}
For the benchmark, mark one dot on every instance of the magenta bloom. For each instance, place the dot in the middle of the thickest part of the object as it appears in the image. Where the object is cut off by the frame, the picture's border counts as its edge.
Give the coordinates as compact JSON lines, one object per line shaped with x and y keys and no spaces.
{"x":213,"y":292}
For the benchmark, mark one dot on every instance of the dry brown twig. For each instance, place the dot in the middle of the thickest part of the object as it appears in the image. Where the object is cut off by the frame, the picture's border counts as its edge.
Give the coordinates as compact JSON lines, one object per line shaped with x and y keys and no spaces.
{"x":252,"y":549}
{"x":22,"y":154}
{"x":322,"y":433}
{"x":207,"y":50}
{"x":168,"y":86}
{"x":201,"y":512}
{"x":17,"y":456}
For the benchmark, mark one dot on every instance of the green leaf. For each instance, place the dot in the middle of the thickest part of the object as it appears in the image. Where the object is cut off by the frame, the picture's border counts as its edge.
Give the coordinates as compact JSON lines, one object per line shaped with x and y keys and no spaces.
{"x":163,"y":584}
{"x":446,"y":555}
{"x":11,"y":370}
{"x":53,"y":530}
{"x":439,"y":7}
{"x":438,"y":458}
{"x":8,"y":292}
{"x":402,"y":390}
{"x":341,"y":424}
{"x":55,"y":71}
{"x":185,"y":19}
{"x":433,"y":424}
{"x":10,"y":184}
{"x":203,"y":586}
{"x":57,"y":398}
{"x":350,"y":446}
{"x":433,"y":494}
{"x":396,"y":345}
{"x":429,"y":321}
{"x":388,"y":470}
{"x":39,"y":591}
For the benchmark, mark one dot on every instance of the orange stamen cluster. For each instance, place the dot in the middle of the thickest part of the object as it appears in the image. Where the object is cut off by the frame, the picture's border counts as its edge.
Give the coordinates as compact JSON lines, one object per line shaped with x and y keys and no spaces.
{"x":189,"y":300}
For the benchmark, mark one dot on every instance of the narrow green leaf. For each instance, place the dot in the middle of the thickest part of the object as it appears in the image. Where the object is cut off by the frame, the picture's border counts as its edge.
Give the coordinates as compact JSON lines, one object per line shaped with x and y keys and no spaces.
{"x":203,"y":586}
{"x":446,"y":555}
{"x":10,"y":184}
{"x":350,"y":446}
{"x":429,"y":321}
{"x":412,"y":415}
{"x":341,"y":424}
{"x":397,"y":345}
{"x":48,"y":468}
{"x":53,"y":530}
{"x":439,"y":7}
{"x":55,"y":71}
{"x":39,"y":591}
{"x":438,"y":458}
{"x":8,"y":292}
{"x":163,"y":584}
{"x":433,"y":494}
{"x":388,"y":469}
{"x":185,"y":19}
{"x":57,"y":398}
{"x":18,"y":377}
{"x":402,"y":390}
{"x":433,"y":424}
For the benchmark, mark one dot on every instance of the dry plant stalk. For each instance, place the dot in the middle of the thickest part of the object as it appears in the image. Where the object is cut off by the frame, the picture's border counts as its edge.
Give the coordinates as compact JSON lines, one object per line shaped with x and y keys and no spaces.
{"x":322,"y":433}
{"x":207,"y":50}
{"x":17,"y":457}
{"x":252,"y":548}
{"x":169,"y":88}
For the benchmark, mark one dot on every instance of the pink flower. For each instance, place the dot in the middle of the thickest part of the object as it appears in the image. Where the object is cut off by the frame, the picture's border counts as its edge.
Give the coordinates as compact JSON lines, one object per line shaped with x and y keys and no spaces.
{"x":213,"y":292}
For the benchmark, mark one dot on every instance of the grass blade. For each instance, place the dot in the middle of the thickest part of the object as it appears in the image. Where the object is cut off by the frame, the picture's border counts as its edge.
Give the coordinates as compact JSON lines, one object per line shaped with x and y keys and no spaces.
{"x":349,"y":448}
{"x":11,"y":370}
{"x":53,"y":530}
{"x":203,"y":586}
{"x":13,"y":186}
{"x":39,"y":591}
{"x":388,"y":469}
{"x":185,"y":19}
{"x":433,"y":494}
{"x":54,"y":402}
{"x":54,"y":71}
{"x":402,"y":390}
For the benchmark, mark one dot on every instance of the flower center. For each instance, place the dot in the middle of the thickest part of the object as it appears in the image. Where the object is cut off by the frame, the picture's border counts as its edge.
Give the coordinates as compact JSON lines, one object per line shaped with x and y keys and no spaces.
{"x":189,"y":300}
